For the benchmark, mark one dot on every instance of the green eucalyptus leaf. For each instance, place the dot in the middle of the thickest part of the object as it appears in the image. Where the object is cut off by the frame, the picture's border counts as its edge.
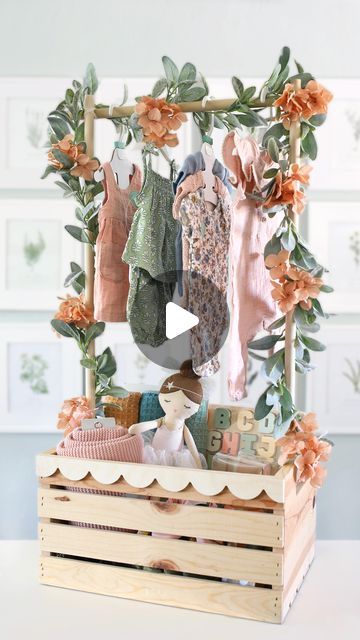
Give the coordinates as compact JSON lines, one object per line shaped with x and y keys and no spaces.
{"x":256,"y":356}
{"x":248,"y":94}
{"x":273,"y":149}
{"x":58,"y":126}
{"x":273,"y":246}
{"x":318,"y":308}
{"x":318,"y":119}
{"x":265,"y":343}
{"x":90,"y":80}
{"x":274,"y":76}
{"x":159,"y":87}
{"x":284,"y":57}
{"x":49,"y":169}
{"x":262,"y":409}
{"x":237,"y":86}
{"x":171,"y":70}
{"x":193,"y":94}
{"x":88,"y":363}
{"x":277,"y":131}
{"x":281,"y":79}
{"x":64,"y":329}
{"x":286,"y":400}
{"x":299,"y":67}
{"x":288,"y":239}
{"x":117,"y":392}
{"x":325,"y":288}
{"x":188,"y":72}
{"x":270,"y":173}
{"x":277,"y":324}
{"x":312,"y":344}
{"x":274,"y":366}
{"x":94,"y":331}
{"x":218,"y":123}
{"x":80,"y":133}
{"x":309,"y":145}
{"x":78,"y":233}
{"x":304,"y":77}
{"x":107,"y":364}
{"x":251,"y":119}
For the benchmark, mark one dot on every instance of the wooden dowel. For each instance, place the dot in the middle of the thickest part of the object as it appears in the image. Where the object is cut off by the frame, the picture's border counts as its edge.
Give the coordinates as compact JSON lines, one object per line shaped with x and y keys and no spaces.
{"x":89,"y":252}
{"x":290,"y":327}
{"x":187,"y":107}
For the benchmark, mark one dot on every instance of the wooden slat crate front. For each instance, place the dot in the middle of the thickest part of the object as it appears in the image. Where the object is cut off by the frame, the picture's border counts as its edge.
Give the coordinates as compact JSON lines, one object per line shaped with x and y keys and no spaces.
{"x":97,"y":537}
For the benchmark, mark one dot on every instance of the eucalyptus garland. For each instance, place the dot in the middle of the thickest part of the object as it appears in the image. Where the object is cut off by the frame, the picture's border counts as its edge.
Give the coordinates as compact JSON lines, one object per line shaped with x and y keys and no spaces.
{"x":296,"y":275}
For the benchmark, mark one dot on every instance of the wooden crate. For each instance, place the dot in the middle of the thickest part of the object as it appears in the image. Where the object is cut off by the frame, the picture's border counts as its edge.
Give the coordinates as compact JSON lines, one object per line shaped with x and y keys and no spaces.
{"x":258,"y":529}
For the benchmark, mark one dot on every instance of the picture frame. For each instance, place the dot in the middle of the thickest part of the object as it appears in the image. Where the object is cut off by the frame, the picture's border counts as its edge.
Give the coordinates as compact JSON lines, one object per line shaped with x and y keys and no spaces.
{"x":333,"y":387}
{"x":24,"y":106}
{"x":338,"y":162}
{"x":39,"y":371}
{"x":334,"y":235}
{"x":35,"y":252}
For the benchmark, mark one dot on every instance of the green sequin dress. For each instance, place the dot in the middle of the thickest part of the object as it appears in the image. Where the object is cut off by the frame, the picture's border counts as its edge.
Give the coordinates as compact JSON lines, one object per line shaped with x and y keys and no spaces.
{"x":150,"y":253}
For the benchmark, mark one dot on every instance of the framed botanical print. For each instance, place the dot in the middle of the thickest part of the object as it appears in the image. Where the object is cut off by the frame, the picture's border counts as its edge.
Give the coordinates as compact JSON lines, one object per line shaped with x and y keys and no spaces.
{"x":338,"y":163}
{"x":24,"y":106}
{"x":35,"y":252}
{"x":39,"y":371}
{"x":334,"y":235}
{"x":333,"y":387}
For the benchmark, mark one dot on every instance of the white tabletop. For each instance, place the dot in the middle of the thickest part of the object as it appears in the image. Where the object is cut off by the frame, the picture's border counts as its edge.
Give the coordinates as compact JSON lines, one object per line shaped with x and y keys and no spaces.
{"x":328,"y":606}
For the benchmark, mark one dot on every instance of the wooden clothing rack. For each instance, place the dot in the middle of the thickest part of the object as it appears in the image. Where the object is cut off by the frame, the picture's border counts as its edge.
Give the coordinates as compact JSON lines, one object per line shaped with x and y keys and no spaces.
{"x":91,"y":114}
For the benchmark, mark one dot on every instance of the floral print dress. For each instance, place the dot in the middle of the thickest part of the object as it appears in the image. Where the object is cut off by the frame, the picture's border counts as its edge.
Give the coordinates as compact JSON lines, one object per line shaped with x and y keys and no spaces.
{"x":206,"y":234}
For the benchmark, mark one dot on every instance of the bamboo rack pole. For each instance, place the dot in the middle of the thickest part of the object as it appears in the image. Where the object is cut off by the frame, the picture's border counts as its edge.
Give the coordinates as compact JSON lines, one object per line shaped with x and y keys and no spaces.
{"x":290,"y":327}
{"x":187,"y":107}
{"x":89,"y":252}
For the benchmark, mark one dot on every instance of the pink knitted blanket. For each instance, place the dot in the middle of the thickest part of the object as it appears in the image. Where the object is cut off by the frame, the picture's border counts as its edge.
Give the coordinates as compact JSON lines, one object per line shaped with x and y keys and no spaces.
{"x":102,"y":444}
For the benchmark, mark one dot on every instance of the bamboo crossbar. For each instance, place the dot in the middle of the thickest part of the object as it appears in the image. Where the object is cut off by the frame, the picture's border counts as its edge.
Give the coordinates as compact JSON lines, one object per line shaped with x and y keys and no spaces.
{"x":92,"y":112}
{"x":187,"y":107}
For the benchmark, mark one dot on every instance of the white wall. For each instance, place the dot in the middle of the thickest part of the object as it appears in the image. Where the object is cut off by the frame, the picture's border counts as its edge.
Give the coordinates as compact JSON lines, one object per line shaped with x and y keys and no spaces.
{"x":222,"y":37}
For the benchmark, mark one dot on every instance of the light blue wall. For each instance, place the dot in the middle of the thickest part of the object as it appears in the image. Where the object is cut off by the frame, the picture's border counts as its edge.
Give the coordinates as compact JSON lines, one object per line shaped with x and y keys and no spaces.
{"x":223,"y":37}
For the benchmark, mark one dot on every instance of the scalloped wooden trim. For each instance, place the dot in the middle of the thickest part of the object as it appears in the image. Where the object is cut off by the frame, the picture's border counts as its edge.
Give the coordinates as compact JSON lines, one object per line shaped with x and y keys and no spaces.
{"x":209,"y":483}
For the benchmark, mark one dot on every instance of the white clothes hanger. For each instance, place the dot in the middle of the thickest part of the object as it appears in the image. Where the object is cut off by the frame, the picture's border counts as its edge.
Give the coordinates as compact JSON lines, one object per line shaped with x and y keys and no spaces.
{"x":120,"y":164}
{"x":207,"y":152}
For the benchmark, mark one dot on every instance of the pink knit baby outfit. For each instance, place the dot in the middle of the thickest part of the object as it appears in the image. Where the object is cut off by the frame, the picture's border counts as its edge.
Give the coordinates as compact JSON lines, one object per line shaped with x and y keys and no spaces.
{"x":111,"y":285}
{"x":252,"y":307}
{"x":102,"y":444}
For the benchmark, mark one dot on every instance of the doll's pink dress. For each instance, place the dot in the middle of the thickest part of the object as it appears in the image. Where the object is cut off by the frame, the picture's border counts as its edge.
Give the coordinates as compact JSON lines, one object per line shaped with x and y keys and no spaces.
{"x":167,"y":448}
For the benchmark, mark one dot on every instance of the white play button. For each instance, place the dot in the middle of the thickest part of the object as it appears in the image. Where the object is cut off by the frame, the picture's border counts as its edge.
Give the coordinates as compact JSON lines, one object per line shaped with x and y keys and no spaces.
{"x":178,"y":320}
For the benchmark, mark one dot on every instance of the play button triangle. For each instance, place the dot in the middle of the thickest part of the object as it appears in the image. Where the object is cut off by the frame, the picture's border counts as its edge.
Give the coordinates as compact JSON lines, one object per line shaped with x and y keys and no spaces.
{"x":178,"y":320}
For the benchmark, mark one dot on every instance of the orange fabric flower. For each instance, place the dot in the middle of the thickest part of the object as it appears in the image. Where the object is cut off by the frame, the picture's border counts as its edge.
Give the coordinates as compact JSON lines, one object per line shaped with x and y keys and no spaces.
{"x":73,"y":310}
{"x":303,"y":103}
{"x":85,"y":167}
{"x":158,"y":120}
{"x":286,"y":295}
{"x":307,"y":286}
{"x":300,"y":172}
{"x":277,"y":263}
{"x":73,"y":412}
{"x":307,"y":451}
{"x":285,"y":192}
{"x":66,"y":146}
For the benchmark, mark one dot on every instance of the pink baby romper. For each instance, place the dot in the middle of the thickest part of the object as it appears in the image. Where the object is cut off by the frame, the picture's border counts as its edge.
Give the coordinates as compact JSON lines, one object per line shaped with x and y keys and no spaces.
{"x":111,"y":285}
{"x":251,"y":305}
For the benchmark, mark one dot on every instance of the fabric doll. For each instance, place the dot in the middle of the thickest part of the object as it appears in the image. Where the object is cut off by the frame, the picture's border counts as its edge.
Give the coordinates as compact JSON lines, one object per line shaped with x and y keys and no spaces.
{"x":180,"y":397}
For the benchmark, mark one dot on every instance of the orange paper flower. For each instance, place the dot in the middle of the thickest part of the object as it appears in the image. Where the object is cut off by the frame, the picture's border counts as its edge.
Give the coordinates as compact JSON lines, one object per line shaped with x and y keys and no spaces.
{"x":73,"y":412}
{"x":85,"y":167}
{"x":278,"y":264}
{"x":73,"y":310}
{"x":303,"y":103}
{"x":286,"y":192}
{"x":307,"y":286}
{"x":158,"y":120}
{"x":306,"y":450}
